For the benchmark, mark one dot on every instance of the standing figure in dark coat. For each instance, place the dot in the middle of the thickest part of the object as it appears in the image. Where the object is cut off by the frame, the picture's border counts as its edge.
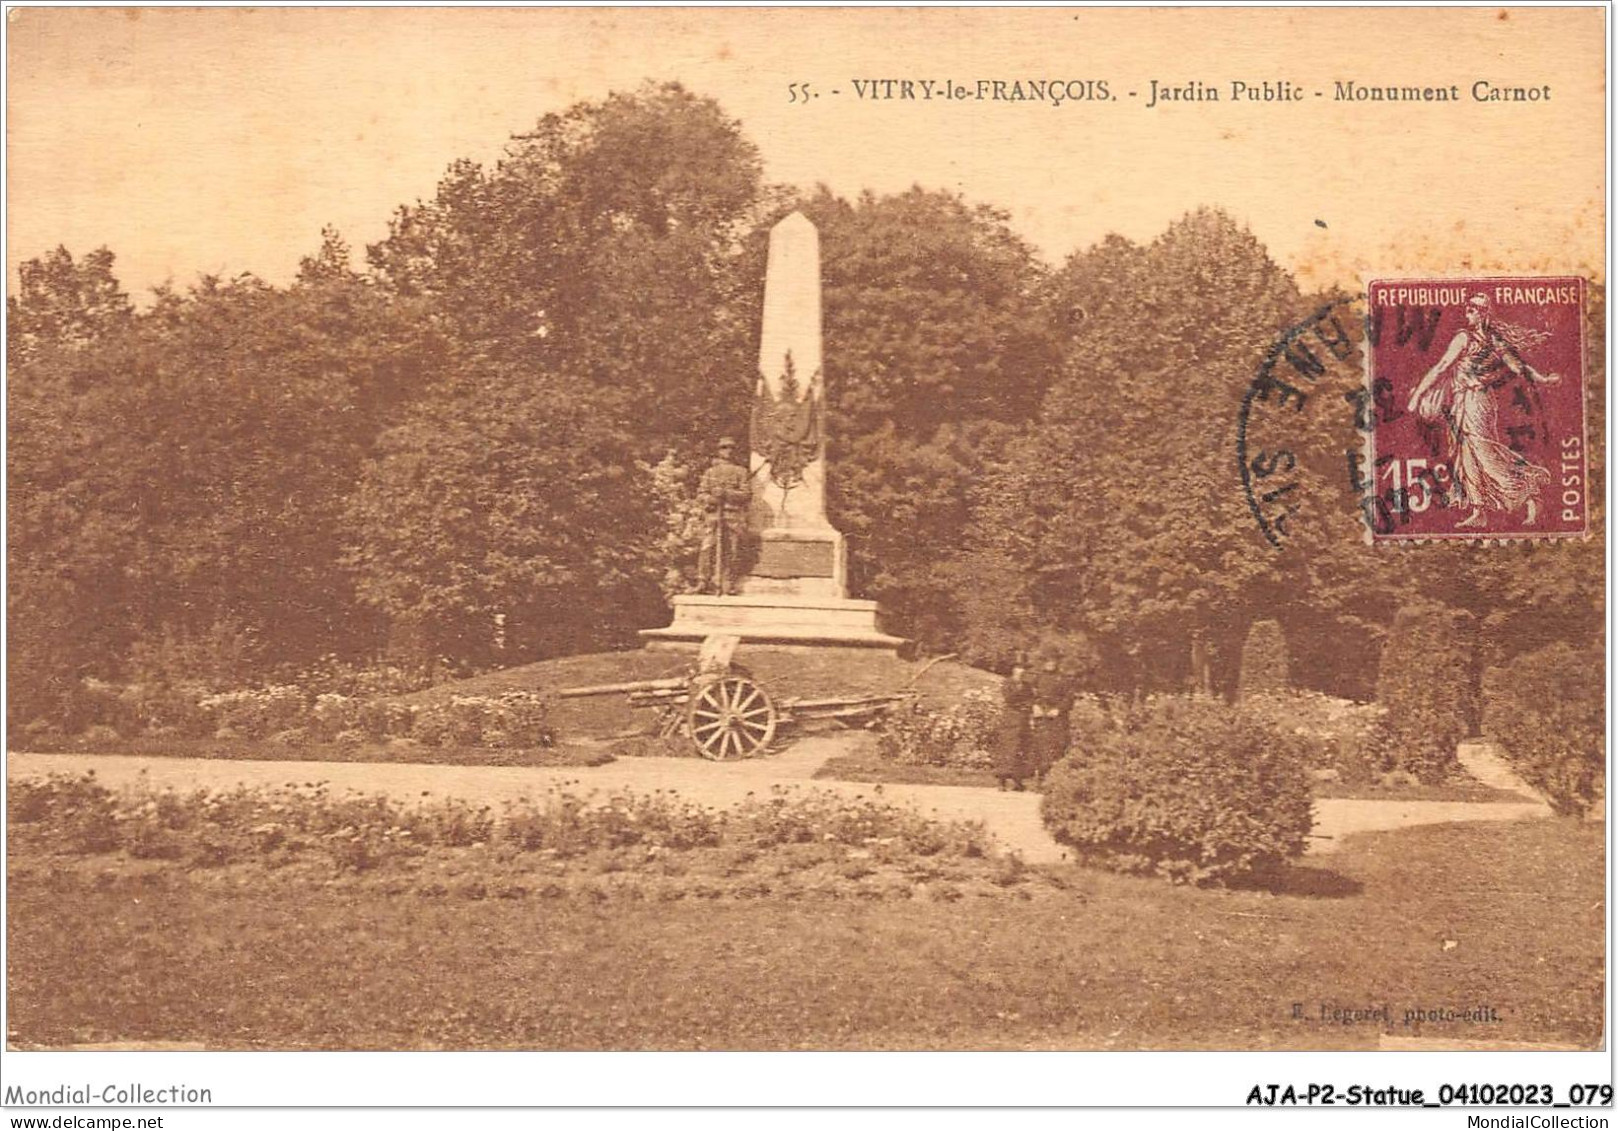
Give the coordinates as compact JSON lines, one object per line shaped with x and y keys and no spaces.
{"x":1012,"y":760}
{"x":1053,"y":701}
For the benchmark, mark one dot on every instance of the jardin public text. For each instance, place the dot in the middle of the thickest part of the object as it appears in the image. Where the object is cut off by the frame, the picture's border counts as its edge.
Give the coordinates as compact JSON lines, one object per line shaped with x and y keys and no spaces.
{"x":1153,"y":94}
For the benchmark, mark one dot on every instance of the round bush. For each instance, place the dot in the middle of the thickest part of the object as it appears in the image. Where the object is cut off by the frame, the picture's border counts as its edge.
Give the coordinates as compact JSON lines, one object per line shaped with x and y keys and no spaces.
{"x":1188,"y":788}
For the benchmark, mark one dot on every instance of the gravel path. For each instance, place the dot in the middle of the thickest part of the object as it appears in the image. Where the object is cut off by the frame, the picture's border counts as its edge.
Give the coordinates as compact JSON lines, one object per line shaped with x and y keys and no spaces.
{"x":1013,"y":818}
{"x":1484,"y":761}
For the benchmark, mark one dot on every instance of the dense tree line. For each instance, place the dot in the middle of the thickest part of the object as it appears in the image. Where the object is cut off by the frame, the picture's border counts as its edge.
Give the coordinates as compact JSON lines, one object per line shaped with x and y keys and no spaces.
{"x":446,"y":451}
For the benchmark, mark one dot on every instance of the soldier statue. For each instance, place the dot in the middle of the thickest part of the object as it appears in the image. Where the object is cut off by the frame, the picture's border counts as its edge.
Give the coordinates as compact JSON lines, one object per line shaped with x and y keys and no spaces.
{"x":725,"y":493}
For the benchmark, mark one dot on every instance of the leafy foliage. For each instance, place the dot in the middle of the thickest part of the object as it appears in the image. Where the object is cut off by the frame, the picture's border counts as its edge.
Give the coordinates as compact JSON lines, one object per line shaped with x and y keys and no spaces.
{"x":481,"y":520}
{"x":673,"y":484}
{"x":601,"y":251}
{"x":961,"y":735}
{"x":929,"y":315}
{"x":1188,"y":788}
{"x":176,"y":490}
{"x":63,"y":305}
{"x":1264,"y":661}
{"x":1546,"y":710}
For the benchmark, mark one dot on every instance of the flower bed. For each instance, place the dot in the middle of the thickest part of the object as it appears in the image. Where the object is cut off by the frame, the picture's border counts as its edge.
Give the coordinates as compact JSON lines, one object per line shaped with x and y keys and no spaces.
{"x":295,"y":715}
{"x":813,"y":844}
{"x":960,"y":736}
{"x":398,"y":750}
{"x":1337,"y":734}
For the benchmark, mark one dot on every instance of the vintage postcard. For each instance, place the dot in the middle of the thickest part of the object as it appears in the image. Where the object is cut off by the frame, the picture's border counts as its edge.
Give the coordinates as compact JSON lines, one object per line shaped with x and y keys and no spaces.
{"x":780,"y":530}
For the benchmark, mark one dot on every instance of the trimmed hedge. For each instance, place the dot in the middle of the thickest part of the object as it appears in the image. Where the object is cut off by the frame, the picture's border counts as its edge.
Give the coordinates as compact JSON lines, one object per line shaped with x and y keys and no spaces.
{"x":1426,"y":681}
{"x":1265,"y":666}
{"x":1546,"y":711}
{"x":1188,"y":788}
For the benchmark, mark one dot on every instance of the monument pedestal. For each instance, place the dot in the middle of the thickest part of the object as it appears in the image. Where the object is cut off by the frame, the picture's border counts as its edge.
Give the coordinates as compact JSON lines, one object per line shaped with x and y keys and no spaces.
{"x":809,"y":562}
{"x":794,"y":594}
{"x":774,"y":619}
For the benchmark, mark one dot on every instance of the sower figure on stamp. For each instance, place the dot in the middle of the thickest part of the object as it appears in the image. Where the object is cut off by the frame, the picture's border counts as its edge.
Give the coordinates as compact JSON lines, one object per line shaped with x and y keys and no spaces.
{"x":1048,"y":726}
{"x":1012,"y":754}
{"x":1482,"y":359}
{"x":725,"y":494}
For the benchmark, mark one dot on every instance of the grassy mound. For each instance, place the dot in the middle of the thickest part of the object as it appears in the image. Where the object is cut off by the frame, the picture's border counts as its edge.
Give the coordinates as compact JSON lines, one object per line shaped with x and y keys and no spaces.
{"x":786,"y":671}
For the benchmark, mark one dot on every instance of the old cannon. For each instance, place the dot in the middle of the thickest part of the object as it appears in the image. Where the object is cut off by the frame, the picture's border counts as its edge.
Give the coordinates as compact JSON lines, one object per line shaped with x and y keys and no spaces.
{"x":727,"y":713}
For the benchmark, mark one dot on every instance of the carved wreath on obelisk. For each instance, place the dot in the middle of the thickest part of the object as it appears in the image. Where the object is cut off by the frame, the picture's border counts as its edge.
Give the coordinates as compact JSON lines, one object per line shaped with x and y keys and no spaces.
{"x":786,"y":430}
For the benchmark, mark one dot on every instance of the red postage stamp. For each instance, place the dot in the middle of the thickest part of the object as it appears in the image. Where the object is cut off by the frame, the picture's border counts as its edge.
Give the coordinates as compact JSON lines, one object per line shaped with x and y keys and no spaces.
{"x":1478,"y":393}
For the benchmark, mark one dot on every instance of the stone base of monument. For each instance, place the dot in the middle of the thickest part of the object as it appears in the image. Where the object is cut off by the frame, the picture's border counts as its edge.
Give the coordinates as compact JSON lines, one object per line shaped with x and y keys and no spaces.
{"x":774,"y":619}
{"x":798,"y":563}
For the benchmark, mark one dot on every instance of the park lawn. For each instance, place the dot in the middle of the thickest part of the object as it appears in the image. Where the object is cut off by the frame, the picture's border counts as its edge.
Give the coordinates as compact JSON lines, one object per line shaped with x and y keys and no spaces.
{"x":1462,"y":788}
{"x":1506,"y":916}
{"x":866,"y":765}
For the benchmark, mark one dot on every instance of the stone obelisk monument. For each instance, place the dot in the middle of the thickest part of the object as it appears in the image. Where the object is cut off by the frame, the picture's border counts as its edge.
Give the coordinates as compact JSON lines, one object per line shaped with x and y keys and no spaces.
{"x":799,"y":551}
{"x":796,"y":589}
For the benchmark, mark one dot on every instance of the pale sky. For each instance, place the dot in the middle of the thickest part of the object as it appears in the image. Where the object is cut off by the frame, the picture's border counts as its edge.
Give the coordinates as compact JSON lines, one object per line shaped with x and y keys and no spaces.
{"x":221,"y":140}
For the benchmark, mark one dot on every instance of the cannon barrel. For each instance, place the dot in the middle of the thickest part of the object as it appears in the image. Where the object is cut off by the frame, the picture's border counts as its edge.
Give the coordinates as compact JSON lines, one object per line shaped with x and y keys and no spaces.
{"x":622,"y":688}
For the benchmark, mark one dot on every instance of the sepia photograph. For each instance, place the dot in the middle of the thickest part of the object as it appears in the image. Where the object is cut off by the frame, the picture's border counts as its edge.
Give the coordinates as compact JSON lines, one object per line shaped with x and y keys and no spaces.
{"x":785,"y":530}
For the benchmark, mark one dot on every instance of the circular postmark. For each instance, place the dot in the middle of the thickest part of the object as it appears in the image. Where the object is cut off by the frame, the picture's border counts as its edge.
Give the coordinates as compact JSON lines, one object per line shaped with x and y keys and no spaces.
{"x":1293,"y":411}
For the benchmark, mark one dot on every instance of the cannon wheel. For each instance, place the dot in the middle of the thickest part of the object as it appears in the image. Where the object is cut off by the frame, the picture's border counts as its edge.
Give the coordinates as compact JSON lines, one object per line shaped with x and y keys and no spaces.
{"x":730,"y":717}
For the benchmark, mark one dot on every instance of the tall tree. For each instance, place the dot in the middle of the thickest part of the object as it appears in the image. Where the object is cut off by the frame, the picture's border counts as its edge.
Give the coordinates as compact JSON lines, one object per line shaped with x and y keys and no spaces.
{"x":1122,"y":511}
{"x":185,"y":473}
{"x":63,"y":304}
{"x":930,"y":315}
{"x":601,"y":250}
{"x":505,"y":519}
{"x":588,"y":289}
